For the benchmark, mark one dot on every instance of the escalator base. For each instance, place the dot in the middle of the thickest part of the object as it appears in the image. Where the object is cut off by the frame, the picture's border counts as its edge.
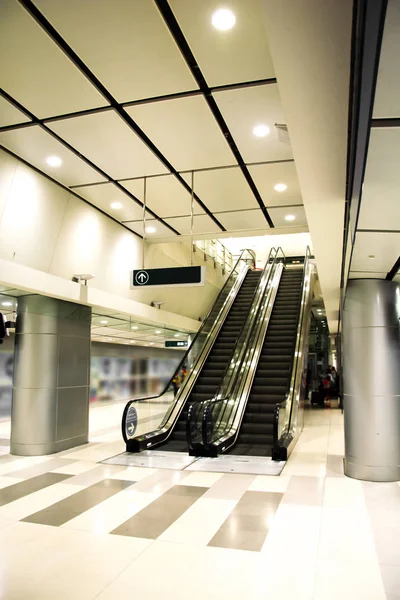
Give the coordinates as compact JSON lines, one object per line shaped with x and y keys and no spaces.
{"x":246,"y":465}
{"x":153,"y":459}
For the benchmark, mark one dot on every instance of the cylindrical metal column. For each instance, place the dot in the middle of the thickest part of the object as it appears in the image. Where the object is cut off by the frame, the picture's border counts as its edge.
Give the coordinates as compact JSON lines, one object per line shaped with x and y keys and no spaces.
{"x":371,"y":371}
{"x":51,"y":376}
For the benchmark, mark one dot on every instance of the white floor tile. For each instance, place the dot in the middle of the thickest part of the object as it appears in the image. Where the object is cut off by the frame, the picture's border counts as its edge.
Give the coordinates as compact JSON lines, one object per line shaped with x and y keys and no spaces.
{"x":201,"y":479}
{"x":6,"y":481}
{"x":266,"y":483}
{"x":347,"y":580}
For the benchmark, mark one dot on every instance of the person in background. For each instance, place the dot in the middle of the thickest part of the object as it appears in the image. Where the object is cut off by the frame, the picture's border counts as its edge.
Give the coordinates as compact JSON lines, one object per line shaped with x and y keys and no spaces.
{"x":176,"y":380}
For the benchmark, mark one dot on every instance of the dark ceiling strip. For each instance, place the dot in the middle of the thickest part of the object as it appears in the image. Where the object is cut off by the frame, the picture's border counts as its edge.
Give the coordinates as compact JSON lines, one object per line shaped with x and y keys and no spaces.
{"x":367,"y":33}
{"x":67,"y":189}
{"x":244,"y":84}
{"x":76,"y":60}
{"x":387,"y":122}
{"x":378,"y":230}
{"x":394,"y":270}
{"x":187,"y":54}
{"x":108,"y":178}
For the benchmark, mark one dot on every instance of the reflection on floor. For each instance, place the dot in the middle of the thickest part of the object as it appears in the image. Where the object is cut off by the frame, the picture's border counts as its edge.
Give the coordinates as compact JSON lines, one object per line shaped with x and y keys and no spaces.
{"x":71,"y":528}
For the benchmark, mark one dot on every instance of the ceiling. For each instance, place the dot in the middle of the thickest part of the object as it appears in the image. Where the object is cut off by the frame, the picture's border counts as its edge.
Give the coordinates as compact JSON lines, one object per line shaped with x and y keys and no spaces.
{"x":121,"y":91}
{"x":377,"y":237}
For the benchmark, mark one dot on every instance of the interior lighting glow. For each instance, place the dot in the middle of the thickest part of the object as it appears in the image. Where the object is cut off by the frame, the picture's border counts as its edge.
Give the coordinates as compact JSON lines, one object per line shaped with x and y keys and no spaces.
{"x":133,"y":342}
{"x":54,"y":161}
{"x":151,"y":229}
{"x":109,"y":339}
{"x":104,"y":322}
{"x":134,"y":326}
{"x":116,"y":205}
{"x":290,"y":218}
{"x":280,"y":187}
{"x":6,"y":303}
{"x":158,"y":331}
{"x":223,"y":19}
{"x":261,"y":130}
{"x":177,"y":335}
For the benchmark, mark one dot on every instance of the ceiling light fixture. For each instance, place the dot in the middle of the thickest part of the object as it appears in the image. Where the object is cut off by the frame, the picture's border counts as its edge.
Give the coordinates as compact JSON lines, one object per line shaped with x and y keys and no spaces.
{"x":54,"y":161}
{"x":223,"y":19}
{"x":177,"y":335}
{"x":158,"y":331}
{"x":134,"y":326}
{"x":290,"y":218}
{"x":151,"y":229}
{"x":280,"y":187}
{"x":116,"y":205}
{"x":109,"y":339}
{"x":151,"y":343}
{"x":133,"y":342}
{"x":6,"y":303}
{"x":261,"y":130}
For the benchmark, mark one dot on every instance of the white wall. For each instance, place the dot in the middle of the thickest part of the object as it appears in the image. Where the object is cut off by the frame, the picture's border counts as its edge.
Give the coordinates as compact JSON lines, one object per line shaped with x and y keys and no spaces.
{"x":44,"y":227}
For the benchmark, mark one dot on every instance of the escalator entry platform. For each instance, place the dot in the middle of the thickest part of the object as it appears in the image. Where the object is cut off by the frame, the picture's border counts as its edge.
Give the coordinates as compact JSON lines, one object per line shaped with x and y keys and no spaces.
{"x":181,"y":461}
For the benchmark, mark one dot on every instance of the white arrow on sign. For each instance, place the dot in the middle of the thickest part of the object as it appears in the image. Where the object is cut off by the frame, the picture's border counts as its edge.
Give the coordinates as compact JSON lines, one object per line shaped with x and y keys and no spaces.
{"x":142,"y":277}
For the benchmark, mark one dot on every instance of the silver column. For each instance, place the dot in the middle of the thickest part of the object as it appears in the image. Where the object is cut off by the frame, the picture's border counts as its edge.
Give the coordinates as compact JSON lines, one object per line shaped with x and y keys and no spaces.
{"x":51,"y":376}
{"x":371,"y":372}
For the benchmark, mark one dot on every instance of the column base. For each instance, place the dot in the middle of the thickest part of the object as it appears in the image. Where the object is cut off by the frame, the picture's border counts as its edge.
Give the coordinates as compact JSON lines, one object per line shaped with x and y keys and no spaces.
{"x":371,"y":472}
{"x":47,"y":448}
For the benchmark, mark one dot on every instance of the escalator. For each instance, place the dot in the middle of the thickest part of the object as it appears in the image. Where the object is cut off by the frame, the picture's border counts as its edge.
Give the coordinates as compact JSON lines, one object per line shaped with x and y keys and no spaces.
{"x":272,"y":377}
{"x":211,"y":374}
{"x":255,"y":410}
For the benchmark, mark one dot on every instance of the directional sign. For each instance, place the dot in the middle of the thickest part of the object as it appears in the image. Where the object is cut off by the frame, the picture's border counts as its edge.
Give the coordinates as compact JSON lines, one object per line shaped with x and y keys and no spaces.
{"x":176,"y":276}
{"x":131,"y":421}
{"x":176,"y":344}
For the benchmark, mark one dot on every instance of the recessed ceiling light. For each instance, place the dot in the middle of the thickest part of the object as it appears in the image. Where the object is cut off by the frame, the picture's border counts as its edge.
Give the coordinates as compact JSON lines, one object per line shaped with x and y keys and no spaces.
{"x":104,"y":322}
{"x":151,"y":229}
{"x":261,"y":130}
{"x":177,"y":335}
{"x":133,"y":342}
{"x":223,"y":19}
{"x":116,"y":205}
{"x":54,"y":161}
{"x":151,"y":343}
{"x":134,"y":326}
{"x":6,"y":303}
{"x":290,"y":218}
{"x":371,"y":256}
{"x":158,"y":331}
{"x":109,"y":339}
{"x":280,"y":187}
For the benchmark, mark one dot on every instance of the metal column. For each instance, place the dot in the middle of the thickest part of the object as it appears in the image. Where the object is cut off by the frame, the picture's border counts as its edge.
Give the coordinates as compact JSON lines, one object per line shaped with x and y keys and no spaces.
{"x":51,"y":376}
{"x":371,"y":372}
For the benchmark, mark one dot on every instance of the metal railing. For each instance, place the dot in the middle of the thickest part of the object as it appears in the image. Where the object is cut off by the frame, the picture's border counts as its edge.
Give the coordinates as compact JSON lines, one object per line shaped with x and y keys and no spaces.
{"x":215,"y":250}
{"x":213,"y":424}
{"x":142,"y":426}
{"x":286,"y":412}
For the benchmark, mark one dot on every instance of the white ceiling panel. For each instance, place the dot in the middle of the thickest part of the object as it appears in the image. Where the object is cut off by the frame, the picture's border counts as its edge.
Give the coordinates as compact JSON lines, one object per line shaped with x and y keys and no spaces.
{"x":122,"y":42}
{"x":240,"y":54}
{"x":366,"y":275}
{"x":9,"y":115}
{"x":387,"y":96}
{"x":243,"y":220}
{"x":244,"y":109}
{"x":267,"y":176}
{"x":35,"y":71}
{"x":108,"y":142}
{"x":185,"y":131}
{"x":223,"y":189}
{"x":106,"y":193}
{"x":380,"y":203}
{"x":385,"y":247}
{"x":35,"y":145}
{"x":201,"y":224}
{"x":165,"y":195}
{"x":160,"y":229}
{"x":278,"y":216}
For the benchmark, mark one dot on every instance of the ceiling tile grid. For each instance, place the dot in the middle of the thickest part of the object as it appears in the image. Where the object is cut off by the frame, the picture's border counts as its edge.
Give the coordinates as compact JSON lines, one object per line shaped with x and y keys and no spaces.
{"x":122,"y":43}
{"x":35,"y":71}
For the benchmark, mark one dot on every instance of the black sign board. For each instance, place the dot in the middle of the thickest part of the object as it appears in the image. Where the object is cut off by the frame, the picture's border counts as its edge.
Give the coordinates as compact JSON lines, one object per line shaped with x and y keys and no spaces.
{"x":176,"y":344}
{"x":178,"y":276}
{"x":131,"y":421}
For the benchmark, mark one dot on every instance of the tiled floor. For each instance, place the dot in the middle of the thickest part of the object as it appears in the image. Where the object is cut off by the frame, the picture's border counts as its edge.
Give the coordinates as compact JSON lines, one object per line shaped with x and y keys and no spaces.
{"x":71,"y":528}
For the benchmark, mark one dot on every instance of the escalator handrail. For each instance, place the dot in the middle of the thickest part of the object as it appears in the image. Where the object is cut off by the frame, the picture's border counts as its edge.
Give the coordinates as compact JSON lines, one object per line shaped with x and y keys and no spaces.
{"x":294,"y":380}
{"x":201,"y":409}
{"x":215,"y":327}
